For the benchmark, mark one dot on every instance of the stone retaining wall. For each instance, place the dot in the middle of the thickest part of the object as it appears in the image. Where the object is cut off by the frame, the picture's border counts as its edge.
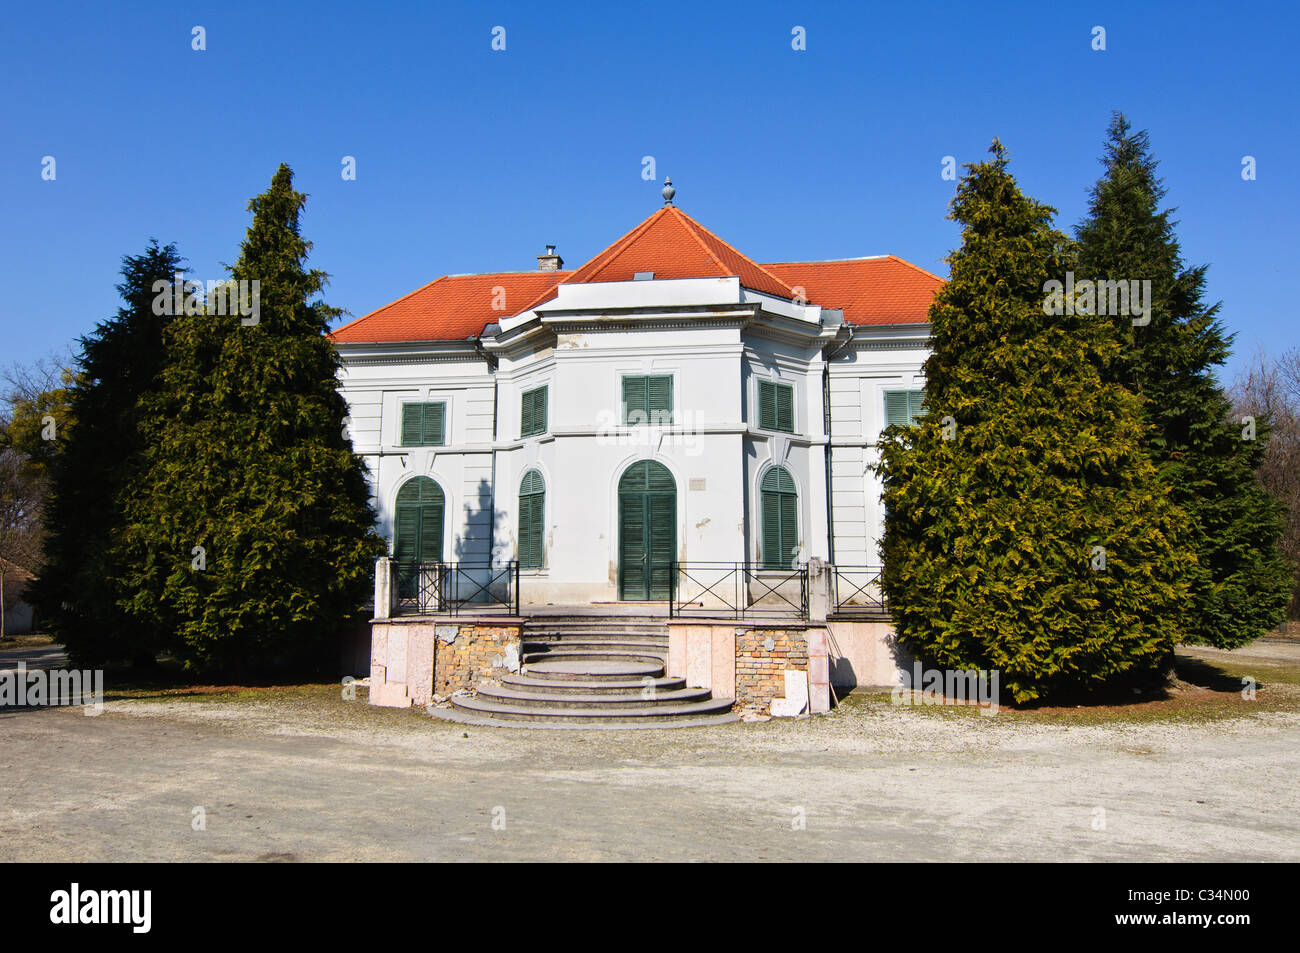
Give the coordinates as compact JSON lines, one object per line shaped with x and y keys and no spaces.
{"x":770,"y":669}
{"x":478,"y":651}
{"x":411,"y":660}
{"x":763,"y":656}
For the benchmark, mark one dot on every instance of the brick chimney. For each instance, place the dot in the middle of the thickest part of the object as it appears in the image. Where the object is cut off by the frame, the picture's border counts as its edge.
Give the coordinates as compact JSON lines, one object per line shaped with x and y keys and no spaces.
{"x":550,"y":261}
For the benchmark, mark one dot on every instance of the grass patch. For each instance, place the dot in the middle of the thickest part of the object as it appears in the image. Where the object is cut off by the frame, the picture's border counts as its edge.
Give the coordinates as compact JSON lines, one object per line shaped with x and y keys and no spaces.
{"x":1206,"y":686}
{"x":27,"y":640}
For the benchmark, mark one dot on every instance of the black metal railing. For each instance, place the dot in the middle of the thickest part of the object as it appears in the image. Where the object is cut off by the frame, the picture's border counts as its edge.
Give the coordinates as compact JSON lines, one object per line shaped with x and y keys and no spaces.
{"x":450,"y":588}
{"x":740,"y":590}
{"x":858,"y":590}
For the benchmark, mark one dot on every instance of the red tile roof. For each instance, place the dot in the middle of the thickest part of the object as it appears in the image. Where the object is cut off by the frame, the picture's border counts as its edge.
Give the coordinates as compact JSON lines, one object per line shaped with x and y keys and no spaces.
{"x":884,"y":290}
{"x":673,"y":245}
{"x":452,"y":308}
{"x":670,"y":244}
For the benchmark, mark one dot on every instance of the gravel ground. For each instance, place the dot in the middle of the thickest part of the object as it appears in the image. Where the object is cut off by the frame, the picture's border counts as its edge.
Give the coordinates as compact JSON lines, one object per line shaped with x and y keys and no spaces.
{"x":300,"y":773}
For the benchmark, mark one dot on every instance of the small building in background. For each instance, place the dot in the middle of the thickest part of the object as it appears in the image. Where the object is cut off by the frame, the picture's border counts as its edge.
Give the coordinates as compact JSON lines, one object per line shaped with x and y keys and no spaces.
{"x":19,"y":616}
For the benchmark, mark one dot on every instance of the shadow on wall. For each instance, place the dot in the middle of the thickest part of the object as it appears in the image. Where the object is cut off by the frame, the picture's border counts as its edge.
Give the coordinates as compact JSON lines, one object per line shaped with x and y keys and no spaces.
{"x":482,"y":548}
{"x":866,"y":655}
{"x":482,"y":530}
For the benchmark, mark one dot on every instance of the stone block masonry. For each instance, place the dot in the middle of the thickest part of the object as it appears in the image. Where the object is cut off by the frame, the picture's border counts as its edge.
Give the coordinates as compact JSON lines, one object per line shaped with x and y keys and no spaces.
{"x":763,"y":656}
{"x":412,"y":660}
{"x":476,"y":652}
{"x":753,"y":663}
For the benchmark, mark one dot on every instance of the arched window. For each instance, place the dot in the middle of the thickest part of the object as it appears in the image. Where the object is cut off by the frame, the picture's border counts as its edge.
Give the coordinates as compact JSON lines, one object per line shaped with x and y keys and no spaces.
{"x":780,"y":515}
{"x":417,"y":535}
{"x":532,"y":521}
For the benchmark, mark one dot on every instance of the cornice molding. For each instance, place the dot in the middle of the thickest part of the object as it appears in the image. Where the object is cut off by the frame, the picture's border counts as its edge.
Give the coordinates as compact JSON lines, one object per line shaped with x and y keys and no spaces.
{"x":413,"y":357}
{"x":890,"y":344}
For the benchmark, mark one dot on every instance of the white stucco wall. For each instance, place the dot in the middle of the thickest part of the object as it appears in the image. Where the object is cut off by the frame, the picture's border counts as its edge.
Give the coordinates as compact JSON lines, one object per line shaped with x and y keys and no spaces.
{"x":860,"y":373}
{"x":580,"y":346}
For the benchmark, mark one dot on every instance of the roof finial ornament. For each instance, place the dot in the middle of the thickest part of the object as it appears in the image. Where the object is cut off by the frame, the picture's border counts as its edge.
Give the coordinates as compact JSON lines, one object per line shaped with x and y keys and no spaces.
{"x":668,"y":191}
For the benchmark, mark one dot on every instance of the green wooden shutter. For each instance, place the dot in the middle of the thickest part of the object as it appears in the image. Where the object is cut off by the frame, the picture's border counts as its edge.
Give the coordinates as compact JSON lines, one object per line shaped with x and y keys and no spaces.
{"x":406,"y":534}
{"x":532,"y":513}
{"x":418,"y":522}
{"x":412,"y":416}
{"x":896,"y":408}
{"x":424,"y":425}
{"x":778,"y":480}
{"x":537,"y":550}
{"x":766,"y":405}
{"x":435,"y":420}
{"x":431,"y":513}
{"x":775,"y":406}
{"x":532,"y":415}
{"x":789,"y":530}
{"x":632,"y":533}
{"x":529,"y":531}
{"x":780,"y":519}
{"x":657,"y":477}
{"x":532,"y":483}
{"x":659,"y":400}
{"x":784,"y":408}
{"x":663,"y":538}
{"x":526,"y":414}
{"x":634,"y":397}
{"x":539,"y":410}
{"x":915,"y":404}
{"x":771,"y":530}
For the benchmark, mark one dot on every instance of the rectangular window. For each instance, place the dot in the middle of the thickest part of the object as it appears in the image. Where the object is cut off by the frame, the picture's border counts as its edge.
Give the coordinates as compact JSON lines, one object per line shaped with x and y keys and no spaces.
{"x":775,"y":406}
{"x":424,"y":424}
{"x":532,"y":412}
{"x":903,"y":407}
{"x":647,"y":400}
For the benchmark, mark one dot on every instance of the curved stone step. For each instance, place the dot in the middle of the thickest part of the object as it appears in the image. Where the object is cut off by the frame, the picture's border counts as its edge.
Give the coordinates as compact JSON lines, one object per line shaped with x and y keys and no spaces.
{"x":584,"y":645}
{"x":643,"y":714}
{"x":593,"y":625}
{"x":566,"y":670}
{"x":514,"y":697}
{"x":578,"y":685}
{"x":460,"y":717}
{"x":595,"y":622}
{"x":640,"y":638}
{"x":601,"y":655}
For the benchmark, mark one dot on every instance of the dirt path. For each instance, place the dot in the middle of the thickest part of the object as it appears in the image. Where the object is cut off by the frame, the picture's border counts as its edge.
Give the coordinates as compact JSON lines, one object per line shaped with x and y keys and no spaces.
{"x":303,"y":774}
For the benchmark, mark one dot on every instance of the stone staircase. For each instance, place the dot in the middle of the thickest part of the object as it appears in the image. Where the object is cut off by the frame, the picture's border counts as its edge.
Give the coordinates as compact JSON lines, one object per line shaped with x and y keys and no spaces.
{"x":596,"y":672}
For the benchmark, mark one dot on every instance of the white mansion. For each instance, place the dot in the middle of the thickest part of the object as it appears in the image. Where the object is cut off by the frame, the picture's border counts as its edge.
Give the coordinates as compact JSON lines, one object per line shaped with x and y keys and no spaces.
{"x":669,"y":401}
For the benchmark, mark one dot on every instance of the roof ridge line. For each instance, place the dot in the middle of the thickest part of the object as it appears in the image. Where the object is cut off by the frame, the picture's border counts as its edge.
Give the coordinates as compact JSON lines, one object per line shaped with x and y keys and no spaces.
{"x":625,"y":242}
{"x":735,"y":250}
{"x":707,"y":250}
{"x":502,"y":274}
{"x":916,"y":267}
{"x":382,"y":307}
{"x":829,"y":261}
{"x":620,"y":243}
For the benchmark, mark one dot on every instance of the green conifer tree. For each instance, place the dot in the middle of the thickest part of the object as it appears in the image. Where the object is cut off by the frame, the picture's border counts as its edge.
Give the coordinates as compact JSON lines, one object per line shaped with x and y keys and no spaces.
{"x":251,"y":534}
{"x":1242,"y":582}
{"x":1026,"y":531}
{"x":97,"y":460}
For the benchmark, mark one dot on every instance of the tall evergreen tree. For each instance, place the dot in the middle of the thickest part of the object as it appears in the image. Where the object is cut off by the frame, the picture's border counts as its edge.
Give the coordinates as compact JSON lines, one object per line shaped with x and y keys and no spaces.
{"x":251,"y":532}
{"x":1242,"y":583}
{"x":1026,"y":531}
{"x":96,"y":461}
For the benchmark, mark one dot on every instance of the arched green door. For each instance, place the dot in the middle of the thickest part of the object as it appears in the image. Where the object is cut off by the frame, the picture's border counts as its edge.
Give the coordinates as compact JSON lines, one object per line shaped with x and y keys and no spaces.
{"x":780,"y":519}
{"x":417,"y":530}
{"x":647,"y":531}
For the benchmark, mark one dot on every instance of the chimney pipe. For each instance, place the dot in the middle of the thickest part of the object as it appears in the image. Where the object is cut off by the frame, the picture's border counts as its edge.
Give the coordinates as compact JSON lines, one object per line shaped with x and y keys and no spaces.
{"x":550,"y":261}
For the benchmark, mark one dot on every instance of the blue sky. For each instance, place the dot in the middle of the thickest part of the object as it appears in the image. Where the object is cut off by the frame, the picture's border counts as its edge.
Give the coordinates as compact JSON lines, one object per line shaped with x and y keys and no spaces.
{"x":470,"y":160}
